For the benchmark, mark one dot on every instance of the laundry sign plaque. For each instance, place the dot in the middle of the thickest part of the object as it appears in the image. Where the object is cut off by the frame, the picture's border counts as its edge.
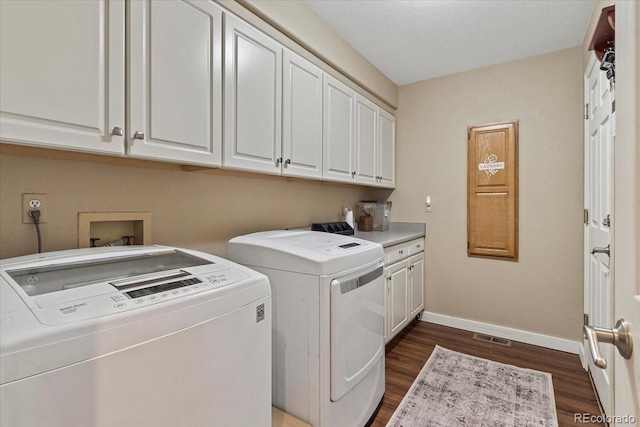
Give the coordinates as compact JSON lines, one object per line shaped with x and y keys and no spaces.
{"x":492,"y":186}
{"x":491,"y":165}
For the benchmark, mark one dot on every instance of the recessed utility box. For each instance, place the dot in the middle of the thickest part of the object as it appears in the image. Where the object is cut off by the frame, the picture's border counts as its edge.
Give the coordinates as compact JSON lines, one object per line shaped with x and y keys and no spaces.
{"x":111,"y":227}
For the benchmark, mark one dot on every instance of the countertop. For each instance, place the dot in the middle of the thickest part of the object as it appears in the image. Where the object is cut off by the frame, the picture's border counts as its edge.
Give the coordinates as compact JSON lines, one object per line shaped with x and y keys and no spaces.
{"x":398,"y":232}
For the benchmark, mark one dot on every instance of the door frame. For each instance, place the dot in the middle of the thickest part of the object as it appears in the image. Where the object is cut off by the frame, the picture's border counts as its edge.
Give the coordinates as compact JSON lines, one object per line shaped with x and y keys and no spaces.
{"x":626,"y":201}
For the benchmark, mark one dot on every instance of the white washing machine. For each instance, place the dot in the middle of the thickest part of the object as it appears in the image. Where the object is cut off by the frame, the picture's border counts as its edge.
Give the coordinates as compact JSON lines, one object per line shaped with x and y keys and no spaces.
{"x":133,"y":336}
{"x":328,"y":317}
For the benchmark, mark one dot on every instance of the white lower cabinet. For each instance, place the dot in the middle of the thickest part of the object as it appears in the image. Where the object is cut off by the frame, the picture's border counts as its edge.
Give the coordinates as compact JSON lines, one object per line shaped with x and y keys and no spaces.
{"x":397,"y":310}
{"x":404,"y":280}
{"x":416,"y":285}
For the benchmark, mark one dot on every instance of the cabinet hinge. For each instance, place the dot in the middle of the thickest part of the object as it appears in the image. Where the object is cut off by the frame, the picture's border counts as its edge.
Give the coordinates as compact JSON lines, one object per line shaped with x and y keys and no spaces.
{"x":586,"y":216}
{"x":585,"y":318}
{"x":468,"y":136}
{"x":586,"y":111}
{"x":468,"y":245}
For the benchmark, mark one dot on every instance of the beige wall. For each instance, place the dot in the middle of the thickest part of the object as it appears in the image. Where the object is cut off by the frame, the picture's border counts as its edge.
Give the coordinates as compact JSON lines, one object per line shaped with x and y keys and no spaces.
{"x":300,"y":24}
{"x":542,"y":292}
{"x":198,"y":210}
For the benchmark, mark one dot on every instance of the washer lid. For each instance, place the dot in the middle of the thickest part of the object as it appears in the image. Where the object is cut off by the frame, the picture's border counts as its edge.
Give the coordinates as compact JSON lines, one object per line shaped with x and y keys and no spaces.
{"x":303,"y":251}
{"x":50,"y":330}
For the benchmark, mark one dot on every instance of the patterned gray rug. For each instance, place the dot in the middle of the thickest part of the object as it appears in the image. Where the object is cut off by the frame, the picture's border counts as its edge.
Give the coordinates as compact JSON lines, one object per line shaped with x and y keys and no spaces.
{"x":455,"y":389}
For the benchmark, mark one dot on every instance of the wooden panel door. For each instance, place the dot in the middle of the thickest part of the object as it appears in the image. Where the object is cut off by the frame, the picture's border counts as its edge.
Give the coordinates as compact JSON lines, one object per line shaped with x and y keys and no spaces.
{"x":62,"y":74}
{"x":366,"y":142}
{"x":387,"y":149}
{"x":492,"y":201}
{"x":301,"y":117}
{"x":338,"y":131}
{"x":253,"y":99}
{"x":175,"y":94}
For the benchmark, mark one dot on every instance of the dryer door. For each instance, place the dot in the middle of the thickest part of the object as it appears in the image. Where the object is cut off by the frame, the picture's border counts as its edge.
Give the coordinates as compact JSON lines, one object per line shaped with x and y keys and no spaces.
{"x":357,"y":322}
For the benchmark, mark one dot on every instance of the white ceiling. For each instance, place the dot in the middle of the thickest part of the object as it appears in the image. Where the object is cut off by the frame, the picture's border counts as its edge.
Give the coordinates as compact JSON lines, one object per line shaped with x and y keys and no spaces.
{"x":413,"y":40}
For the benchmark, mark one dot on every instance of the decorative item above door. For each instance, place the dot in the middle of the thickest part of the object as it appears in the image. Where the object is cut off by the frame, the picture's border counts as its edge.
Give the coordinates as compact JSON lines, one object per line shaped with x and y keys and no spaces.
{"x":603,"y":41}
{"x":492,"y":190}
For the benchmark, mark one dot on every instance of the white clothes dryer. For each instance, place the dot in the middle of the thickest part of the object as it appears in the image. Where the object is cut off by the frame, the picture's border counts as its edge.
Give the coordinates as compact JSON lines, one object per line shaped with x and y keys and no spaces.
{"x":133,"y":336}
{"x":328,"y":317}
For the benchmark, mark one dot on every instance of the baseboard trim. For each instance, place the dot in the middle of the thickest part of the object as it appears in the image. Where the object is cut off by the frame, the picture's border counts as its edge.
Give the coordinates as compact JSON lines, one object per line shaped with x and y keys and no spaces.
{"x":583,"y":356}
{"x":547,"y":341}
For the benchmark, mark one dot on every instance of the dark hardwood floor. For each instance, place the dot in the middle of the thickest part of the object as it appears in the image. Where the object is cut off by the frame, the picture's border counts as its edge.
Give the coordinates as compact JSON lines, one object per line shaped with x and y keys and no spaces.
{"x":407,"y":353}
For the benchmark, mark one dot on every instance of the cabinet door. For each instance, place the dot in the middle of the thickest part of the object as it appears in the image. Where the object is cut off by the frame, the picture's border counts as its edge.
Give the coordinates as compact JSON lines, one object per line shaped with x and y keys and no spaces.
{"x":387,"y":304}
{"x":416,"y":288}
{"x":366,"y":150}
{"x":302,"y":117}
{"x":387,"y":149}
{"x":253,"y":99}
{"x":338,"y":130}
{"x":62,"y":74}
{"x":398,"y":309}
{"x":175,"y":92}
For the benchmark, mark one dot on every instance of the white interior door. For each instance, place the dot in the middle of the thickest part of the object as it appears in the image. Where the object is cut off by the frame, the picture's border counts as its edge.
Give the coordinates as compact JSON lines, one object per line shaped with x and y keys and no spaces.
{"x":598,"y":201}
{"x":627,"y":208}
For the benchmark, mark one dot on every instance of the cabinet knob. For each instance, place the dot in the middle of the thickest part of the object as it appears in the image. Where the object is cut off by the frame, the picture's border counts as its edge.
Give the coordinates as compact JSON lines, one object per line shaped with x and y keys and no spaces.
{"x":117,"y":131}
{"x":287,"y":162}
{"x":278,"y":161}
{"x":353,"y":173}
{"x":400,"y":252}
{"x":138,"y":135}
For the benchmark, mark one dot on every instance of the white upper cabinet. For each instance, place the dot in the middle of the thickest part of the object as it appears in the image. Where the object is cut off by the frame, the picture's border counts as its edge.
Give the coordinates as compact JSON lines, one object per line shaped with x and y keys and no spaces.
{"x":301,"y":117}
{"x":366,"y":147}
{"x":386,"y":149}
{"x":338,"y":131}
{"x":202,"y":86}
{"x":253,"y":99}
{"x":62,"y":74}
{"x":175,"y":95}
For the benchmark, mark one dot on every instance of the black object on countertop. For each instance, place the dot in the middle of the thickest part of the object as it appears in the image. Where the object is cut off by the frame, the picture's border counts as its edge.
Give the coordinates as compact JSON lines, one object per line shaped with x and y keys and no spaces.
{"x":340,"y":227}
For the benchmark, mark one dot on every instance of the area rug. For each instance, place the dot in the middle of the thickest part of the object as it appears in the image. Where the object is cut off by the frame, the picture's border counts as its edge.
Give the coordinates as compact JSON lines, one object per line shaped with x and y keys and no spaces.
{"x":455,"y":389}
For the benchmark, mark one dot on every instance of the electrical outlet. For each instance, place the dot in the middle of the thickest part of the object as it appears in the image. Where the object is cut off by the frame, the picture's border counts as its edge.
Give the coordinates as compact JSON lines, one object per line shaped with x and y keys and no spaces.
{"x":31,"y":201}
